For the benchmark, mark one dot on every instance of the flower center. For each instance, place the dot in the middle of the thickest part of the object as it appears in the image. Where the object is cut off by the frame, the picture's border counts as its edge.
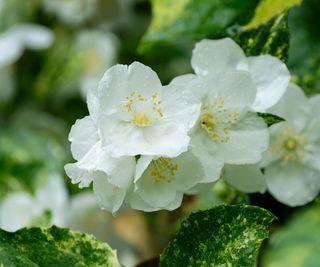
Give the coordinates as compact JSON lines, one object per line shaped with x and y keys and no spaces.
{"x":143,"y":111}
{"x":292,"y":144}
{"x":92,"y":61}
{"x":142,"y":120}
{"x":162,"y":169}
{"x":216,"y":120}
{"x":208,"y":121}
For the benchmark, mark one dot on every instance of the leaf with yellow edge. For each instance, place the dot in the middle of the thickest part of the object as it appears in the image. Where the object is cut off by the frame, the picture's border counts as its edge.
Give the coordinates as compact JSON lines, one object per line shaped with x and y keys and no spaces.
{"x":271,"y":38}
{"x":184,"y":20}
{"x":52,"y":247}
{"x":268,"y":9}
{"x":169,"y":11}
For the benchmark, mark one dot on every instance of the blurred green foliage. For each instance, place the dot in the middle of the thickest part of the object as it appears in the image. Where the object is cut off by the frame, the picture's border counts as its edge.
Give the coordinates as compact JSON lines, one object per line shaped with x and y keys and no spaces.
{"x":15,"y":11}
{"x":304,"y":53}
{"x":297,"y":243}
{"x":27,"y":158}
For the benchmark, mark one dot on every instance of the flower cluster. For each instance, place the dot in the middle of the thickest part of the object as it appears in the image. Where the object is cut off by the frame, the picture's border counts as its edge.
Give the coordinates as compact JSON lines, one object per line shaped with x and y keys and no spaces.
{"x":290,"y":166}
{"x":146,"y":144}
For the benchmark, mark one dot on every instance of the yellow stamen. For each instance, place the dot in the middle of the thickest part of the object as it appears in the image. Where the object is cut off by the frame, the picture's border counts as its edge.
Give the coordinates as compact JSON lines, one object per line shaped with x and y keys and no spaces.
{"x":151,"y":106}
{"x":161,"y":169}
{"x":142,"y":120}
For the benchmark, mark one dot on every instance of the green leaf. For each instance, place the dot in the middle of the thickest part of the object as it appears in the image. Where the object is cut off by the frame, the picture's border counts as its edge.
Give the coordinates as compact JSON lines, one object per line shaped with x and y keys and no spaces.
{"x":223,"y":236}
{"x":297,"y":243}
{"x":268,"y":9}
{"x":304,"y":52}
{"x":194,"y":19}
{"x":53,"y":247}
{"x":272,"y":39}
{"x":270,"y":119}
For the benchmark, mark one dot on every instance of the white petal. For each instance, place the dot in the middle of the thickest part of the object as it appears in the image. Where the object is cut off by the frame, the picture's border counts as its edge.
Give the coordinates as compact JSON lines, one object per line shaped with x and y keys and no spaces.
{"x":271,"y":78}
{"x":235,"y":87}
{"x":164,"y":138}
{"x":245,"y":178}
{"x":93,"y":103}
{"x":247,"y":141}
{"x":17,"y":210}
{"x":136,"y":202}
{"x":189,"y":173}
{"x":190,"y":83}
{"x":109,"y":196}
{"x":206,"y":151}
{"x":53,"y":196}
{"x":143,"y":79}
{"x":181,"y":105}
{"x":81,"y":171}
{"x":183,"y":80}
{"x":216,"y":56}
{"x":289,"y":106}
{"x":160,"y":193}
{"x":78,"y":175}
{"x":311,"y":157}
{"x":119,"y":81}
{"x":156,"y":194}
{"x":83,"y":136}
{"x":33,"y":36}
{"x":120,"y":170}
{"x":112,"y":89}
{"x":142,"y":164}
{"x":10,"y":50}
{"x":292,"y":184}
{"x":274,"y":152}
{"x":313,"y":105}
{"x":313,"y":129}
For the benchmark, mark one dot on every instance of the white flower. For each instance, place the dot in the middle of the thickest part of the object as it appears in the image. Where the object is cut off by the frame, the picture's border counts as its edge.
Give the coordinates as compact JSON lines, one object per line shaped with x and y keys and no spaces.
{"x":270,"y":76}
{"x":111,"y":176}
{"x":153,"y":183}
{"x":20,"y":209}
{"x":132,"y":114}
{"x":98,"y":51}
{"x":161,"y":182}
{"x":72,"y":12}
{"x":292,"y":163}
{"x":22,"y":36}
{"x":226,"y":130}
{"x":136,"y":115}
